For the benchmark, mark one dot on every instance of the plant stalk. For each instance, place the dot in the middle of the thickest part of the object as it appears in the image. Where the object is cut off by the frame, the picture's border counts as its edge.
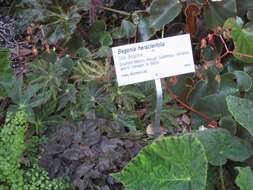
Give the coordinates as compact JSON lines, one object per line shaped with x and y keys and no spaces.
{"x":114,"y":10}
{"x":223,"y":187}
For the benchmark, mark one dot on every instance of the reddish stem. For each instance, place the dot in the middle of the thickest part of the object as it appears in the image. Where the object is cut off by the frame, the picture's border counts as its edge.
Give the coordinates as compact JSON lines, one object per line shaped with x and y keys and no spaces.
{"x":242,"y":54}
{"x":233,"y":52}
{"x":175,"y":97}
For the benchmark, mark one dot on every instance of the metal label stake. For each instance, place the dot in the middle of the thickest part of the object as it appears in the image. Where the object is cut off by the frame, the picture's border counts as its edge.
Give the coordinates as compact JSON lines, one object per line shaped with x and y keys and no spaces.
{"x":159,"y":104}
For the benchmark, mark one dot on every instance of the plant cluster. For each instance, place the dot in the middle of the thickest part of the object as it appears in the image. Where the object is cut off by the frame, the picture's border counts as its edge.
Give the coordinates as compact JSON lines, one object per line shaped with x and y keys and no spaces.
{"x":12,"y":143}
{"x":12,"y":147}
{"x":68,"y":76}
{"x":37,"y":178}
{"x":88,"y":152}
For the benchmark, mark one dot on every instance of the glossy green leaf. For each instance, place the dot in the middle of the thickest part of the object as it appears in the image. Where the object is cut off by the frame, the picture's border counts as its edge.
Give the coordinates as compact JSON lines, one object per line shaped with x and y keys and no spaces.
{"x":128,"y":28}
{"x":245,"y":178}
{"x":145,"y":30}
{"x":242,"y":37}
{"x":213,"y":106}
{"x":243,"y":6}
{"x":163,"y":12}
{"x":204,"y":88}
{"x":118,"y":33}
{"x":75,"y":42}
{"x":228,"y":85}
{"x":84,"y":53}
{"x":243,"y":80}
{"x":83,"y":4}
{"x":229,"y":124}
{"x":212,"y":177}
{"x":242,"y":110}
{"x":220,"y":146}
{"x":171,"y":163}
{"x":216,"y":13}
{"x":250,"y":14}
{"x":97,"y":34}
{"x":67,"y":63}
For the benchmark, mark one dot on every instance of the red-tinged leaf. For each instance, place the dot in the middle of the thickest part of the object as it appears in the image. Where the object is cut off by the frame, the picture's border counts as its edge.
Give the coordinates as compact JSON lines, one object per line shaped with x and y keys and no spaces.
{"x":191,"y":12}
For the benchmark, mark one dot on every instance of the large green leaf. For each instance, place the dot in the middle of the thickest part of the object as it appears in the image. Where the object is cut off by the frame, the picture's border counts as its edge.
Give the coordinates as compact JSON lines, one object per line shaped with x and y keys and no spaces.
{"x":243,"y":80}
{"x":245,"y":178}
{"x":242,"y":110}
{"x":250,"y":14}
{"x":204,"y":88}
{"x":59,"y":20}
{"x":97,"y":34}
{"x":220,"y":146}
{"x":145,"y":31}
{"x":171,"y":163}
{"x":163,"y":12}
{"x":242,"y":37}
{"x":128,"y":28}
{"x":228,"y":123}
{"x":243,"y":6}
{"x":212,"y":177}
{"x":213,"y":106}
{"x":228,"y":85}
{"x":62,"y":27}
{"x":217,"y":12}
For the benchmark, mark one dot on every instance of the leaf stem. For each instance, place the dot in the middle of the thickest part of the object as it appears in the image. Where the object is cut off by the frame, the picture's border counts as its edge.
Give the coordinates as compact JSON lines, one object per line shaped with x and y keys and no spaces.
{"x":223,"y":187}
{"x":175,"y":97}
{"x":242,"y":54}
{"x":114,"y":10}
{"x":233,"y":52}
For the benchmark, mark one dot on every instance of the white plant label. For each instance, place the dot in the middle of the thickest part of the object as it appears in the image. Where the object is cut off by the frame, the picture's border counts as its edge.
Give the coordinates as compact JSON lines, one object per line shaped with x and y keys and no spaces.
{"x":153,"y":59}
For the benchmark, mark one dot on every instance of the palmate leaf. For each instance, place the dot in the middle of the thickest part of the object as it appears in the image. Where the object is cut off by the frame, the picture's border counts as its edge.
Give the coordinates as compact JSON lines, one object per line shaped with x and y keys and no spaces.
{"x":89,"y":70}
{"x":49,"y":76}
{"x":171,"y":163}
{"x":127,"y":97}
{"x":45,"y":117}
{"x":27,"y":97}
{"x":220,"y":146}
{"x":242,"y":111}
{"x":245,"y":178}
{"x":91,"y":96}
{"x":60,"y":25}
{"x":69,"y":96}
{"x":58,"y":18}
{"x":242,"y":37}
